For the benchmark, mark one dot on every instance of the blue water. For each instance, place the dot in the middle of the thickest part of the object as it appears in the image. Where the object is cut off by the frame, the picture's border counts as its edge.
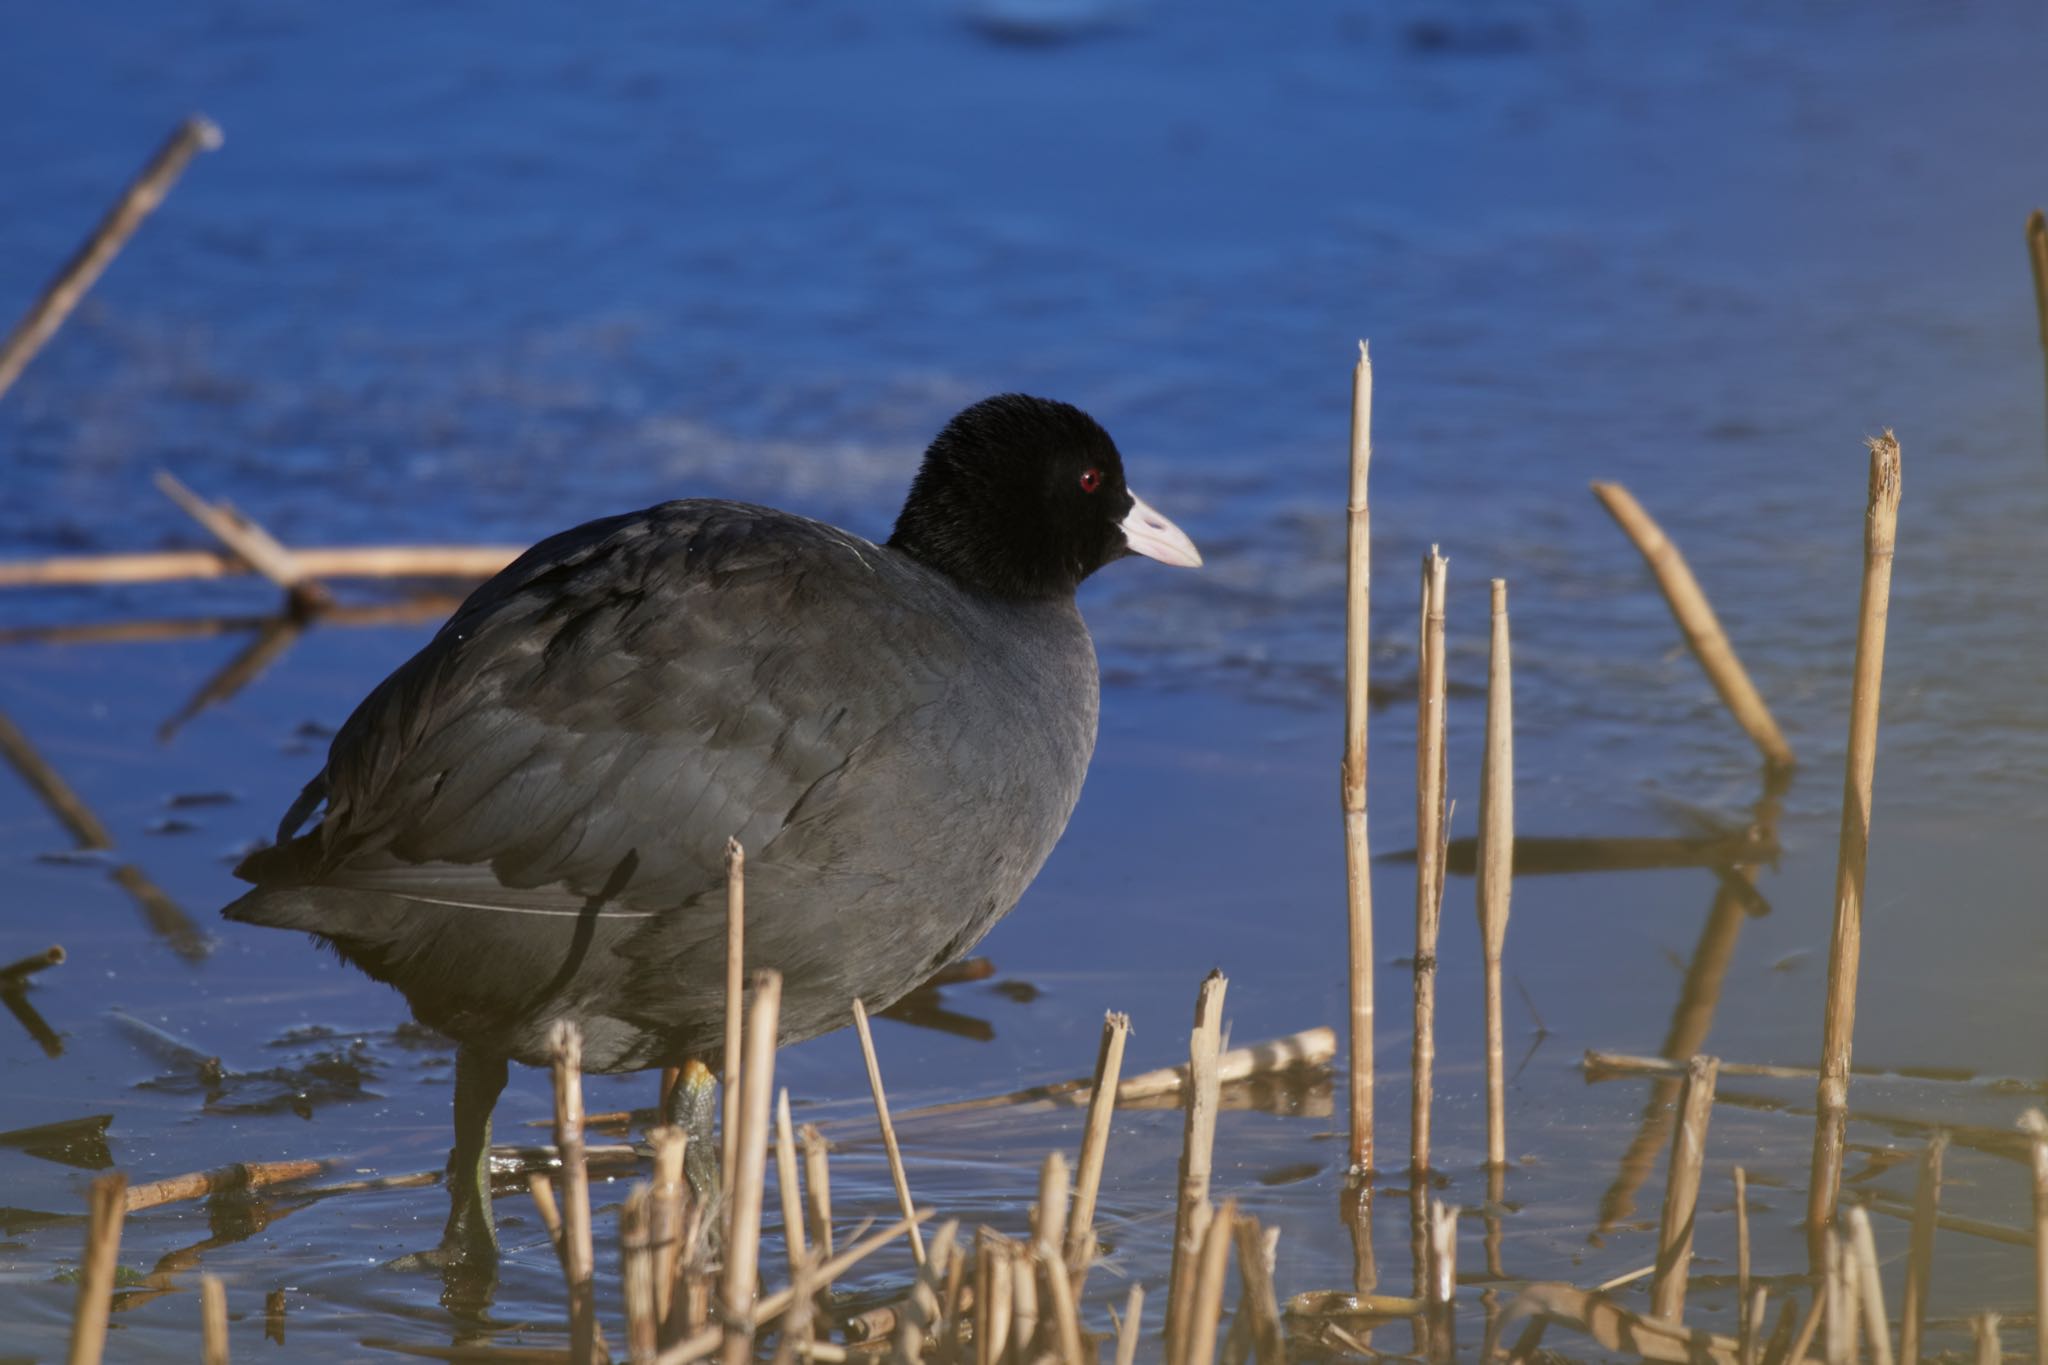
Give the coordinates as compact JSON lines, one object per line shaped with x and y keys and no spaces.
{"x":465,"y":273}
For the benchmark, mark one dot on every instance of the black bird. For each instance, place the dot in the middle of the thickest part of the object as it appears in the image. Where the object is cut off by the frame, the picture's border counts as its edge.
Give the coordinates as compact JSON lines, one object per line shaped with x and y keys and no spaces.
{"x":527,"y":821}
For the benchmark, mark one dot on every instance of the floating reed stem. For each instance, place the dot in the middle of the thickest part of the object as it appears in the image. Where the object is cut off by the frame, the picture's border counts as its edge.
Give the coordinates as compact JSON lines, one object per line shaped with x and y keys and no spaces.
{"x":213,"y":1320}
{"x":735,"y":1004}
{"x":1880,"y":534}
{"x":248,"y":542}
{"x":748,"y":1178}
{"x":196,"y":134}
{"x":2035,"y":1124}
{"x":1131,"y":1328}
{"x":1920,"y":1265}
{"x":895,"y":1153}
{"x":1192,"y":1213}
{"x":1496,"y":862}
{"x":1109,"y":1064}
{"x":566,"y":1043}
{"x":1429,"y":849}
{"x":1698,"y":623}
{"x":1357,"y":844}
{"x":1682,"y":1191}
{"x":325,"y":561}
{"x":1869,"y":1287}
{"x":106,"y":1207}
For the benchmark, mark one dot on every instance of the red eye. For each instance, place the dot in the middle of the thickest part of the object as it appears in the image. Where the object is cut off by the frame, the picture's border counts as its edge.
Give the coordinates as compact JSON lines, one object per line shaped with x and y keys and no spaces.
{"x":1091,"y":479}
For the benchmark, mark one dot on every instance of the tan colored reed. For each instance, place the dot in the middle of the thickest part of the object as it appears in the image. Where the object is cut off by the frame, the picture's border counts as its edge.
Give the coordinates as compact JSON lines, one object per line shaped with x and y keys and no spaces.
{"x":666,"y":1215}
{"x":1443,"y":1253}
{"x":578,"y":1260}
{"x":748,"y":1179}
{"x":790,"y":1185}
{"x":1496,"y":862}
{"x":322,"y":561}
{"x":1049,"y":1215}
{"x":637,"y":1273}
{"x":1984,"y":1327}
{"x":196,"y":134}
{"x":1682,"y":1191}
{"x":735,"y":1003}
{"x":1023,"y":1308}
{"x":1742,"y":1247}
{"x":250,"y":1175}
{"x":1837,"y":1295}
{"x":1920,"y":1264}
{"x":1212,"y":1269}
{"x":1869,"y":1286}
{"x":1755,"y":1311}
{"x":213,"y":1320}
{"x":818,"y":1192}
{"x":1002,"y":1300}
{"x":1258,"y":1304}
{"x":1197,"y":1155}
{"x":888,"y":1127}
{"x":1132,"y":1328}
{"x":1429,"y":850}
{"x":1698,"y":623}
{"x":1880,"y":535}
{"x":1109,"y":1064}
{"x":248,"y":542}
{"x":106,"y":1208}
{"x":2035,"y":1125}
{"x":2037,"y":256}
{"x":1357,"y":706}
{"x":1066,"y":1315}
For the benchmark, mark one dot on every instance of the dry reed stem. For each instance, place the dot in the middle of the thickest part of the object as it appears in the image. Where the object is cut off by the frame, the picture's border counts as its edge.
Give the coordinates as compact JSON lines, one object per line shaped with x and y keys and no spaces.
{"x":213,"y":1320}
{"x":1109,"y":1064}
{"x":1258,"y":1305}
{"x":1608,"y":1066}
{"x":1755,"y":1310}
{"x":1023,"y":1307}
{"x":1429,"y":851}
{"x":637,"y":1273}
{"x":1698,"y":623}
{"x":818,"y":1193}
{"x":1496,"y":861}
{"x":1131,"y":1329}
{"x":919,"y":1316}
{"x":1808,"y":1325}
{"x":253,"y":1175}
{"x":1205,"y":1311}
{"x":543,"y":1191}
{"x":1357,"y":706}
{"x":2037,"y":256}
{"x":790,"y":1186}
{"x":249,"y":542}
{"x":16,"y":973}
{"x":1066,"y":1316}
{"x":1920,"y":1264}
{"x":1682,"y":1191}
{"x":1880,"y":1202}
{"x":578,"y":1261}
{"x":798,"y":1338}
{"x":1443,"y":1253}
{"x":1197,"y":1155}
{"x":325,"y":561}
{"x":1869,"y":1287}
{"x":735,"y":1004}
{"x":106,"y":1207}
{"x":1002,"y":1300}
{"x":1984,"y":1327}
{"x":1880,"y":534}
{"x":984,"y":1260}
{"x":2035,"y":1125}
{"x":888,"y":1127}
{"x":666,"y":1231}
{"x":1742,"y":1250}
{"x":1049,"y":1218}
{"x":196,"y":134}
{"x":748,"y":1178}
{"x":1617,"y":1328}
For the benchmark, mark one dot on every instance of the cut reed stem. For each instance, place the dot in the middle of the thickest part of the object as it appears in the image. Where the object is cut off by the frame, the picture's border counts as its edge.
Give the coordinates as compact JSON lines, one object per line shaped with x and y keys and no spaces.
{"x":1496,"y":862}
{"x":1131,"y":1329}
{"x":1869,"y":1287}
{"x":1192,"y":1213}
{"x":1985,"y":1328}
{"x":1109,"y":1064}
{"x":1698,"y":623}
{"x":1205,"y":1312}
{"x":196,"y":134}
{"x":748,"y":1178}
{"x":2035,"y":1125}
{"x":735,"y":1003}
{"x":16,"y":973}
{"x":566,"y":1046}
{"x":1742,"y":1249}
{"x":1682,"y":1191}
{"x":1920,"y":1264}
{"x":790,"y":1185}
{"x":637,"y":1273}
{"x":106,"y":1208}
{"x":213,"y":1320}
{"x":1258,"y":1303}
{"x":1880,"y":535}
{"x":895,"y":1153}
{"x":1357,"y":705}
{"x":1429,"y":850}
{"x":818,"y":1193}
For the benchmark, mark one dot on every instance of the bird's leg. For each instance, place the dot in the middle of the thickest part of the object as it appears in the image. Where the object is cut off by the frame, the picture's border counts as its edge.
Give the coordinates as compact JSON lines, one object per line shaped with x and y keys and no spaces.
{"x":471,"y":1234}
{"x":691,"y":1104}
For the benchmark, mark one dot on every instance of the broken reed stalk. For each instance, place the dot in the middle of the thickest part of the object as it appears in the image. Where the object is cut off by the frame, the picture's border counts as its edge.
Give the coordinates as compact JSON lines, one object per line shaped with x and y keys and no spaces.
{"x":1131,"y":1329}
{"x":249,"y":542}
{"x":1429,"y":849}
{"x":1443,"y":1253}
{"x":1109,"y":1064}
{"x":578,"y":1259}
{"x":1258,"y":1304}
{"x":1920,"y":1264}
{"x":251,"y":1175}
{"x":1496,"y":861}
{"x":735,"y":1004}
{"x":106,"y":1206}
{"x":637,"y":1273}
{"x":1985,"y":1328}
{"x":748,"y":1178}
{"x":1869,"y":1287}
{"x":1880,"y":534}
{"x":1023,"y":1304}
{"x":326,"y":561}
{"x":1357,"y":704}
{"x":791,"y":1188}
{"x":15,"y":973}
{"x":1066,"y":1315}
{"x":1205,"y":1311}
{"x":818,"y":1193}
{"x":1698,"y":623}
{"x":1682,"y":1191}
{"x":666,"y":1231}
{"x":213,"y":1321}
{"x":196,"y":134}
{"x":1049,"y":1217}
{"x":1192,"y":1213}
{"x":2035,"y":1124}
{"x":895,"y":1153}
{"x":1742,"y":1250}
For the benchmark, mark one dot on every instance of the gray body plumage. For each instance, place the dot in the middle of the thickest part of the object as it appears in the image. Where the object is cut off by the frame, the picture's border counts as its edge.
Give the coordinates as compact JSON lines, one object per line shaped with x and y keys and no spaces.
{"x":527,"y":821}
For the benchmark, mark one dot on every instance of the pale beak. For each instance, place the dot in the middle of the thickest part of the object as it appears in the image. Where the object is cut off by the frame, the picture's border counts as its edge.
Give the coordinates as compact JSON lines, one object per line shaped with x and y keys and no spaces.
{"x":1153,"y":536}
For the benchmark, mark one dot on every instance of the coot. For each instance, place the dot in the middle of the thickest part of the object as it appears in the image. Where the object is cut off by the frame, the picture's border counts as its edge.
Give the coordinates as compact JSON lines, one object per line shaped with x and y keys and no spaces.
{"x":527,"y":820}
